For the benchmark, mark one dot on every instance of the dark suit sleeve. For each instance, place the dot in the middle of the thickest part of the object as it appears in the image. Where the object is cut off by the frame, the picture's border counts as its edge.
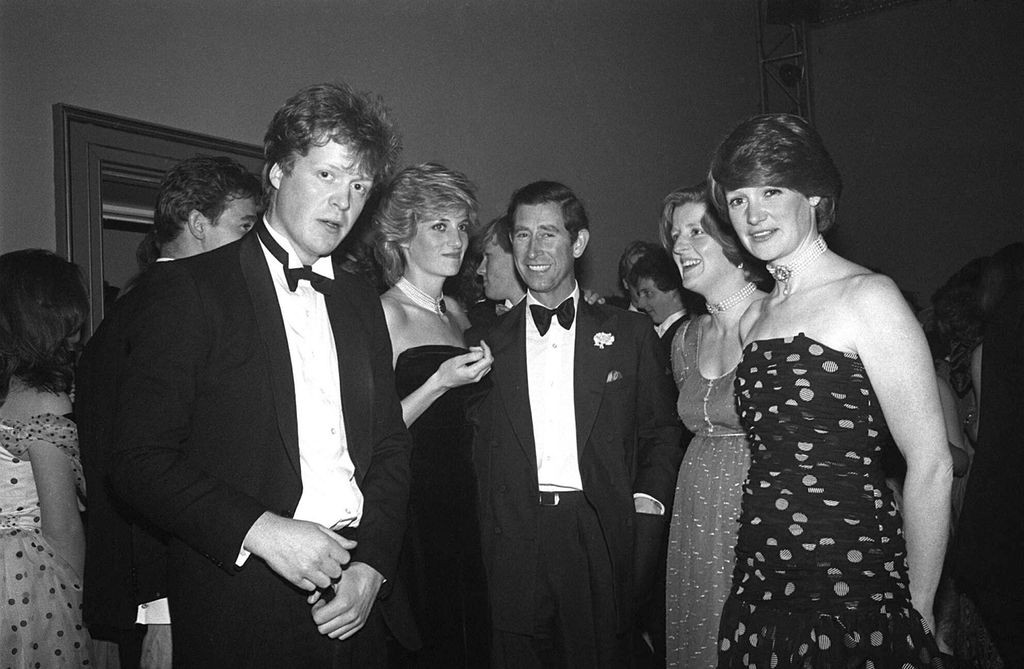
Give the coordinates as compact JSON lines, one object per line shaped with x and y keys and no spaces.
{"x":659,"y":454}
{"x":168,"y":344}
{"x":125,"y":562}
{"x":658,"y":430}
{"x":385,"y":485}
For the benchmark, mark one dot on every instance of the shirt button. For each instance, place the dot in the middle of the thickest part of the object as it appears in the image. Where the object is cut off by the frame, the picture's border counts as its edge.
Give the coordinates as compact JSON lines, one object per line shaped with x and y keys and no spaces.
{"x":334,"y":431}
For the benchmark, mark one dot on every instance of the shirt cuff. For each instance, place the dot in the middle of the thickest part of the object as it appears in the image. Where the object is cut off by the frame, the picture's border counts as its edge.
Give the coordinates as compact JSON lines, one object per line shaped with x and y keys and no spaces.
{"x":243,"y":555}
{"x":657,"y":504}
{"x":155,"y":612}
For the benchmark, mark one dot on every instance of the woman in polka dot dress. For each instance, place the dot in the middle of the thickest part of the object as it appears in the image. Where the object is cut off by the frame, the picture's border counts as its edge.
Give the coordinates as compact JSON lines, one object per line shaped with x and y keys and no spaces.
{"x":828,"y":574}
{"x":42,"y":543}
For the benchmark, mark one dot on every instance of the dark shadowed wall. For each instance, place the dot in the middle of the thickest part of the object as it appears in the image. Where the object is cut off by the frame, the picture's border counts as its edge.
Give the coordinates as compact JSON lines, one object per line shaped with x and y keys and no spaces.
{"x":622,"y":101}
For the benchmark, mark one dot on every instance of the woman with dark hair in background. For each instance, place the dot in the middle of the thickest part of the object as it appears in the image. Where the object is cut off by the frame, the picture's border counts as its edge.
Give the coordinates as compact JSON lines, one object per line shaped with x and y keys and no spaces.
{"x":705,"y":514}
{"x":421,"y":235}
{"x":43,"y":305}
{"x":828,"y":574}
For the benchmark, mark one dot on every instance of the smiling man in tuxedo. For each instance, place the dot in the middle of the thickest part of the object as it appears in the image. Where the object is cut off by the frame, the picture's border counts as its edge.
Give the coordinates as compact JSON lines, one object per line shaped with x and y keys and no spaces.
{"x":258,"y":422}
{"x":577,"y":451}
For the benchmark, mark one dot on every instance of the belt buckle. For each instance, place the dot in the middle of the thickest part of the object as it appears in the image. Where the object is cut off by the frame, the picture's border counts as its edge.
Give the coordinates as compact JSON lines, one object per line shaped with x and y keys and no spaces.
{"x":545,"y":498}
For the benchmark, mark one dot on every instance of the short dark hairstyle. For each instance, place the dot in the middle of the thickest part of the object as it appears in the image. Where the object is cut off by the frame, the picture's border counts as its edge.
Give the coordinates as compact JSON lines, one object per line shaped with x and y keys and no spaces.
{"x":633,"y":252}
{"x":658,"y":266}
{"x":417,"y":193}
{"x":495,"y":230}
{"x":574,"y":215}
{"x":776,"y":150}
{"x":332,"y":113}
{"x":202,"y":183}
{"x":43,"y":304}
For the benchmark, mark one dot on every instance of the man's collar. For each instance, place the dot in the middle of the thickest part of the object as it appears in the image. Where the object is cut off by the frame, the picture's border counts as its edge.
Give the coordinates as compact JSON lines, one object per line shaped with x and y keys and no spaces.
{"x":662,"y":327}
{"x":575,"y":294}
{"x":323,"y":266}
{"x":511,"y":303}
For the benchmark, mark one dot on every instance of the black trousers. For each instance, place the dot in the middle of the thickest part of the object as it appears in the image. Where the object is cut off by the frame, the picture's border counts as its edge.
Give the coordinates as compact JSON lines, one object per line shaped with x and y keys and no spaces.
{"x":575,"y":617}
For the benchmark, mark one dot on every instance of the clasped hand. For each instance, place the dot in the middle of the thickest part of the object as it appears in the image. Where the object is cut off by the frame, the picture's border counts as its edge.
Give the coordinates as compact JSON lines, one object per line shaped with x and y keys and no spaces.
{"x":308,"y":555}
{"x":348,"y":611}
{"x":466,"y":368}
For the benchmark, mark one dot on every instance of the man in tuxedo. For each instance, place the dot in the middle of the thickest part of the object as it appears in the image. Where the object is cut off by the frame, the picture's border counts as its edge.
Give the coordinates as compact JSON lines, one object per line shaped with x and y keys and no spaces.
{"x":204,"y":202}
{"x":258,"y":424}
{"x":577,"y":449}
{"x":503,"y":289}
{"x":656,"y":289}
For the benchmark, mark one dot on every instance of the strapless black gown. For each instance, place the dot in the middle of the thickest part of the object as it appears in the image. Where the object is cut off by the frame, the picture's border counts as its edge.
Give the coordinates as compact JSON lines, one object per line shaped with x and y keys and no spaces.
{"x":441,"y":562}
{"x":821,"y":577}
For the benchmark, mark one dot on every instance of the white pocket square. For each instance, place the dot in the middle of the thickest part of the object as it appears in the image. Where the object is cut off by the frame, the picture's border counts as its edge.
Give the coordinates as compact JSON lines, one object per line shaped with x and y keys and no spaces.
{"x":613,"y":375}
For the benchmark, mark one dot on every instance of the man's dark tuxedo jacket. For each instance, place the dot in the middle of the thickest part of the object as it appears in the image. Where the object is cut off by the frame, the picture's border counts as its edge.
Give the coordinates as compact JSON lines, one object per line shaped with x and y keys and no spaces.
{"x":627,"y":439}
{"x":125,"y":556}
{"x":670,"y":334}
{"x":206,"y":437}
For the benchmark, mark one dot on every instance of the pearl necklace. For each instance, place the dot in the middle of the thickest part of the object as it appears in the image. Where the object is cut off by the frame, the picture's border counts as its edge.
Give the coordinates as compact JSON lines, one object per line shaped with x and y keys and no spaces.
{"x":731,"y":301}
{"x":420,"y":298}
{"x":784,"y":273}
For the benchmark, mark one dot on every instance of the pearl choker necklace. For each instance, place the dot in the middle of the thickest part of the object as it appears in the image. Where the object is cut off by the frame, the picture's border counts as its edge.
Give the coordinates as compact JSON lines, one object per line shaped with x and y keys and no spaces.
{"x":420,"y":298}
{"x":731,"y":301}
{"x":784,"y":273}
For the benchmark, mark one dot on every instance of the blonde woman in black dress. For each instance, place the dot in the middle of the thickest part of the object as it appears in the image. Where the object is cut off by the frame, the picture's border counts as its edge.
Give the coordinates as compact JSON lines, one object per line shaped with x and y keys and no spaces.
{"x":421,"y":235}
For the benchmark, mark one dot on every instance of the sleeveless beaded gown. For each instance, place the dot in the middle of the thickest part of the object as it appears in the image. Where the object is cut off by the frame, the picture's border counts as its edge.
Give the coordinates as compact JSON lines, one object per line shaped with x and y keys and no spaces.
{"x":441,"y":562}
{"x":706,"y":512}
{"x":821,"y":573}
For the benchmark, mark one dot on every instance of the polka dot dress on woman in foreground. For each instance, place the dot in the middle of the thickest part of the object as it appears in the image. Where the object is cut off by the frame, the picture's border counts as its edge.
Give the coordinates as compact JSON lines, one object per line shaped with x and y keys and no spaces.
{"x":821,"y":571}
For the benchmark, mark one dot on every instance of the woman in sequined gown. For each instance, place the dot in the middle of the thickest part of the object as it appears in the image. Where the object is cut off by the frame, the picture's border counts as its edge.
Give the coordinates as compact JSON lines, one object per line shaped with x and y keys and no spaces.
{"x":828,"y":573}
{"x":420,"y":232}
{"x":706,"y":511}
{"x":42,"y":542}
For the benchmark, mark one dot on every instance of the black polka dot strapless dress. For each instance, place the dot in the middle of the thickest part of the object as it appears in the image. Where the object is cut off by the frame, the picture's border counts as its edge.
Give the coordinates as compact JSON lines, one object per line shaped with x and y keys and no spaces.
{"x":821,"y":576}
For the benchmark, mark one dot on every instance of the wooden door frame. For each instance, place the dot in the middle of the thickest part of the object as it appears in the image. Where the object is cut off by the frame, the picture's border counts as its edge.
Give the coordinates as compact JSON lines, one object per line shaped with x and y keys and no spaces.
{"x":85,"y":143}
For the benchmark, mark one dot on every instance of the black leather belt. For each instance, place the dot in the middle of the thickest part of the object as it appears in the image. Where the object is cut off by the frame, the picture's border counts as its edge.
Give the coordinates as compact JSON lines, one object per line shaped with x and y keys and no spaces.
{"x":551,"y":498}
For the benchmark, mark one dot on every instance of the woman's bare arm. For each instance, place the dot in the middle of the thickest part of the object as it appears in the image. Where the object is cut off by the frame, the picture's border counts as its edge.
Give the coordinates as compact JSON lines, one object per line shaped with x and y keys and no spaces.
{"x":61,"y":523}
{"x":892,"y":346}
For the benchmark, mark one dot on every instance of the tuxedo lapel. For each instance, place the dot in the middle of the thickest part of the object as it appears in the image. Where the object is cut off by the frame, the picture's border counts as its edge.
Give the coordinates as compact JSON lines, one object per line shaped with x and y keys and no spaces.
{"x":271,"y":329}
{"x":353,"y":369}
{"x":508,"y":345}
{"x":590,"y":372}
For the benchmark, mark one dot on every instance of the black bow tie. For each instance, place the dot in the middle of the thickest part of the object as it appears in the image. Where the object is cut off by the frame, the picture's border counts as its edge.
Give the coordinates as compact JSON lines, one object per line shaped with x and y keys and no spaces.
{"x":293,"y":275}
{"x":320,"y":283}
{"x":542,"y":315}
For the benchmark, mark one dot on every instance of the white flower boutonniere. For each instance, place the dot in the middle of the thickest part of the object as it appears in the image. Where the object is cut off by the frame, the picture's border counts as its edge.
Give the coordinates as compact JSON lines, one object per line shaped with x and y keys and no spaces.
{"x":602,"y":339}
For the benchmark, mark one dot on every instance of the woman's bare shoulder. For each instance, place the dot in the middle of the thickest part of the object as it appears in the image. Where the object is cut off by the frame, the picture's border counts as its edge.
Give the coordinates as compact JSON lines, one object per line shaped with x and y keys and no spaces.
{"x":395,"y":312}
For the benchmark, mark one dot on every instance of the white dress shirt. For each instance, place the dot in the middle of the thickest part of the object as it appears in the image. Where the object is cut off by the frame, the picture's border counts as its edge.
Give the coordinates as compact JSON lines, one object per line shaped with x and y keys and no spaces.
{"x":330,"y":495}
{"x":549,"y":371}
{"x":662,"y":327}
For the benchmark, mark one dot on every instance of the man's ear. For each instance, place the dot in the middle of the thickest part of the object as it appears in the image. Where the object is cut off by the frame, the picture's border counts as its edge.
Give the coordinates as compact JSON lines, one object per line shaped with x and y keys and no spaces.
{"x":196,"y":224}
{"x":580,"y":245}
{"x":275,"y":175}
